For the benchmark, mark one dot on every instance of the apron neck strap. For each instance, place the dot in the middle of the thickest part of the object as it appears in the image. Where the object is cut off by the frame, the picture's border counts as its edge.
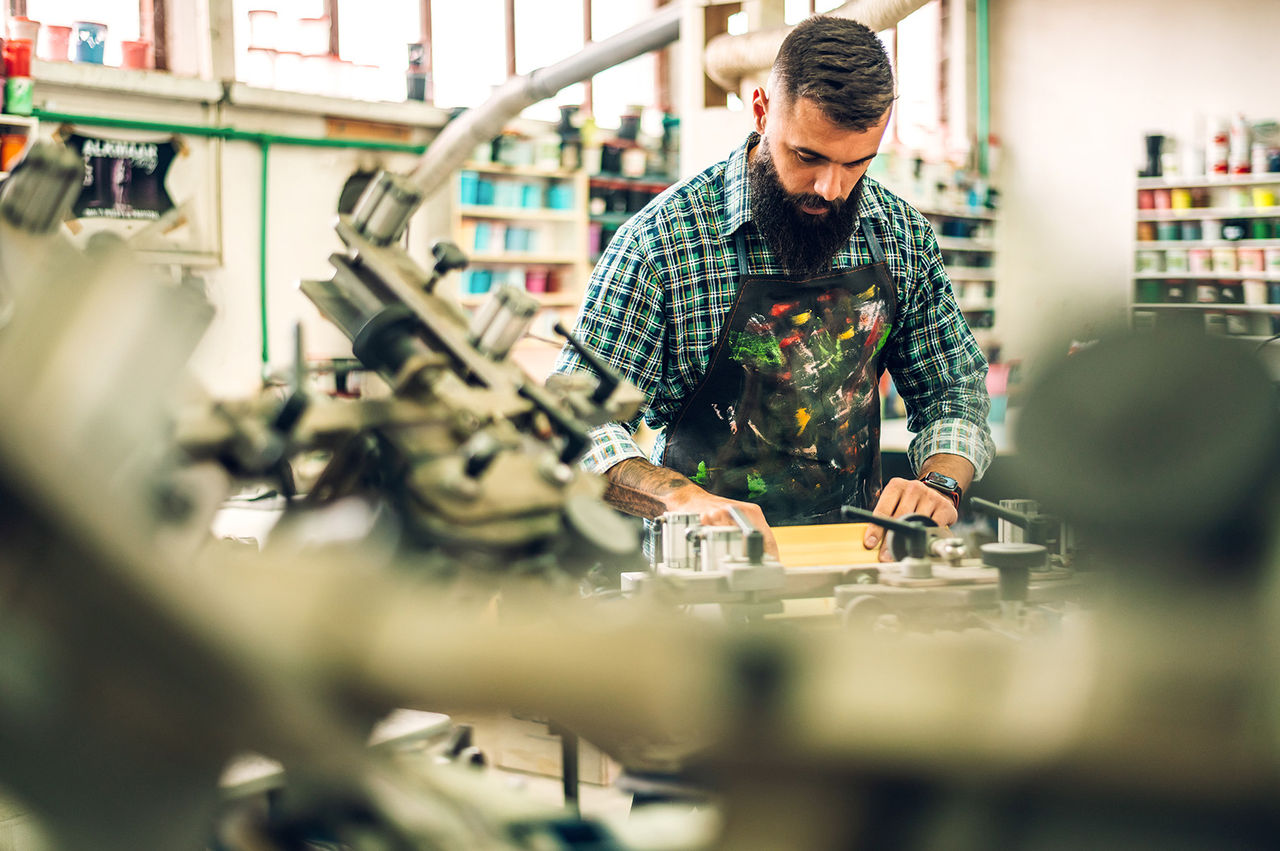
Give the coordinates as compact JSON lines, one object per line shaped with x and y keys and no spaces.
{"x":877,"y":252}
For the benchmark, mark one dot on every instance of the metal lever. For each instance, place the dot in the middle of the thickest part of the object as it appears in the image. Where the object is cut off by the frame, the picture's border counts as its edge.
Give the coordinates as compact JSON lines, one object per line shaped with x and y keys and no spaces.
{"x":753,"y":536}
{"x":609,"y":378}
{"x":1043,"y":529}
{"x":917,"y":535}
{"x":576,"y":438}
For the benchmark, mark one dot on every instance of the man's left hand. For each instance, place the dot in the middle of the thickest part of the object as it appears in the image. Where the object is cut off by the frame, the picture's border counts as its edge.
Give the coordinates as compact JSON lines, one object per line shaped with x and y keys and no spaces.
{"x":907,"y":496}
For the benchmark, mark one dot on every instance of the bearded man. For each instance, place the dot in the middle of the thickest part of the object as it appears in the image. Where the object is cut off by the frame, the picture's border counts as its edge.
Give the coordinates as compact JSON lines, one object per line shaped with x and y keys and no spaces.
{"x":757,"y":304}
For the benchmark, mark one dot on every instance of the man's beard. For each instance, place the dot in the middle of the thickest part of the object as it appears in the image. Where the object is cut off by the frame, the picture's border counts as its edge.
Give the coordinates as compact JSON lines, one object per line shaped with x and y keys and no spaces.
{"x":804,"y":243}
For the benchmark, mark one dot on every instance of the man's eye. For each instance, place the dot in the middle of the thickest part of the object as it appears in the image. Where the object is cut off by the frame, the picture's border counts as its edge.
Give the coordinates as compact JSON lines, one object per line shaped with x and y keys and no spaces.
{"x":806,"y":158}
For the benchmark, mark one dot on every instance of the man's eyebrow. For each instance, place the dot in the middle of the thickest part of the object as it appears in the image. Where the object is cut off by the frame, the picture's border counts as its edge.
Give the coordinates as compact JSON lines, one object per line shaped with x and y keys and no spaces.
{"x":809,"y":152}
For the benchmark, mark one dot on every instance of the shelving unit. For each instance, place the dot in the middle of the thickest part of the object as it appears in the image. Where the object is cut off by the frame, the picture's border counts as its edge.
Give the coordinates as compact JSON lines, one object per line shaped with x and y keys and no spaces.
{"x":523,"y":226}
{"x":966,"y":239}
{"x":612,"y":200}
{"x":18,"y":125}
{"x":1224,"y":280}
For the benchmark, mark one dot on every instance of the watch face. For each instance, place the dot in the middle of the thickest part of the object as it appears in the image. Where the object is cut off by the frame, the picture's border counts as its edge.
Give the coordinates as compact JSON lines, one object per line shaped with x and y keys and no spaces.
{"x":941,"y":481}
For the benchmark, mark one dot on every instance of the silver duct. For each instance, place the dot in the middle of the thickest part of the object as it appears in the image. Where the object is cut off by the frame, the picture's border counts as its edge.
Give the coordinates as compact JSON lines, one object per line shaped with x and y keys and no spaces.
{"x":729,"y":58}
{"x":459,"y":138}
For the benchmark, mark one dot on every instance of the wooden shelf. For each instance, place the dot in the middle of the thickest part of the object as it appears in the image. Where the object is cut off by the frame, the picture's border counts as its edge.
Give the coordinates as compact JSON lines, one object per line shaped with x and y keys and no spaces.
{"x":959,"y":213}
{"x":1212,"y":306}
{"x":951,"y":243}
{"x":519,"y":170}
{"x":611,"y":218}
{"x":1209,"y":180}
{"x":1271,"y":277}
{"x":1195,"y":213}
{"x":971,"y":273}
{"x":545,"y":299}
{"x":527,"y":214}
{"x":1162,"y":244}
{"x":521,"y":258}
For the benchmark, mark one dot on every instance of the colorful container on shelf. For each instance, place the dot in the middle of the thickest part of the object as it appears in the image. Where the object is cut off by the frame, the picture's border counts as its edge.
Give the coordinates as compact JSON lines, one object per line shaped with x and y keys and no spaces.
{"x":56,"y":46}
{"x":88,"y":42}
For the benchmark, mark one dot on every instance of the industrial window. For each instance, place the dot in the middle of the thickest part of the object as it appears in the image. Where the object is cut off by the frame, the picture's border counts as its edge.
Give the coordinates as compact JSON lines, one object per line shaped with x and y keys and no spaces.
{"x":123,"y":20}
{"x":468,"y":59}
{"x":915,"y":46}
{"x":342,"y":48}
{"x":545,"y":33}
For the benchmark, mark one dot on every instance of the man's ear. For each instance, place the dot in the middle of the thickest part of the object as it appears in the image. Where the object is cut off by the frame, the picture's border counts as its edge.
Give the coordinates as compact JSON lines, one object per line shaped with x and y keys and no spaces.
{"x":759,"y":108}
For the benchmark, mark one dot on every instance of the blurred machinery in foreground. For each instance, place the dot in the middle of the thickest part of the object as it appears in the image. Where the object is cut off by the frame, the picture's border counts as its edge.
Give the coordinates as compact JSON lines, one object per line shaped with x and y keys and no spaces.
{"x":136,"y":660}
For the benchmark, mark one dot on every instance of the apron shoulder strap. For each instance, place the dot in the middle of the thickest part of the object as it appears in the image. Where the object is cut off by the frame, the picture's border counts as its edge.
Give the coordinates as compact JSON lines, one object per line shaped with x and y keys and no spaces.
{"x":740,"y":240}
{"x":877,"y":252}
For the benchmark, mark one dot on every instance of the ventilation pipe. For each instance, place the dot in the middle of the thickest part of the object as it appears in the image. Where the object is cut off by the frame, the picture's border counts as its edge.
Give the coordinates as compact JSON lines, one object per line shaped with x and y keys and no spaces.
{"x":475,"y":126}
{"x":730,"y":58}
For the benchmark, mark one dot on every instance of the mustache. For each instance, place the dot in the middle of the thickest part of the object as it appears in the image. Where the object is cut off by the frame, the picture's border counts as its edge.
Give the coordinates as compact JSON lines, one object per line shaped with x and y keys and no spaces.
{"x":808,"y":199}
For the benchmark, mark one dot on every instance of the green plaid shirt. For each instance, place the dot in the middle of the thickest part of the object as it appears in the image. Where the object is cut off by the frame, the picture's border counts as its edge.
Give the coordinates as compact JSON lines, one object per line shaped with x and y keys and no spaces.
{"x":658,"y":297}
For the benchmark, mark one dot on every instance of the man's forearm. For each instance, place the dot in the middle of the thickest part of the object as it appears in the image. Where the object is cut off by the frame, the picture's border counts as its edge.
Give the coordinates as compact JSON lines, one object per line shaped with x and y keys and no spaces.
{"x":639,"y":488}
{"x":956,"y":466}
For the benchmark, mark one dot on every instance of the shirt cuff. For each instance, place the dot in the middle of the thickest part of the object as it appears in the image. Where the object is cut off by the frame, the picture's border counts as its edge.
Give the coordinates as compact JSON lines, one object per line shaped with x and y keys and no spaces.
{"x":954,"y":437}
{"x":611,"y":444}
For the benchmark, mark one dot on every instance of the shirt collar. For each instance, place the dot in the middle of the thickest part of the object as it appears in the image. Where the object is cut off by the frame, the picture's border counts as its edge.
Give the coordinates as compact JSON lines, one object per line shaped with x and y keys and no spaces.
{"x":737,"y":190}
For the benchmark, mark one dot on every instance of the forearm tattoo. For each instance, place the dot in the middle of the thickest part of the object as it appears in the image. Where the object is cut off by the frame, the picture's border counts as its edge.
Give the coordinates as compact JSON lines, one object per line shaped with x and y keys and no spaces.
{"x":638,"y":488}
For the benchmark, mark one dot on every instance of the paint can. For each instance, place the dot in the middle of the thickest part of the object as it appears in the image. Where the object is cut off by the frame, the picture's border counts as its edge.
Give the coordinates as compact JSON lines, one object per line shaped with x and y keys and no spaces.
{"x":1231,"y":293}
{"x":1163,"y":199}
{"x":1146,"y":200}
{"x":1250,"y":259}
{"x":1215,"y":323}
{"x":1146,"y":231}
{"x":1148,"y":292}
{"x":1168,"y":231}
{"x":1255,"y":292}
{"x":1263,"y":197}
{"x":1210,"y":229}
{"x":1273,"y":293}
{"x":1177,"y":292}
{"x":1149,"y":261}
{"x":1176,"y":260}
{"x":1261,"y":229}
{"x":1192,"y":231}
{"x":1225,"y":260}
{"x":1271,"y":260}
{"x":1206,"y":293}
{"x":1200,"y":261}
{"x":1180,"y":199}
{"x":1219,"y":151}
{"x":1237,"y":324}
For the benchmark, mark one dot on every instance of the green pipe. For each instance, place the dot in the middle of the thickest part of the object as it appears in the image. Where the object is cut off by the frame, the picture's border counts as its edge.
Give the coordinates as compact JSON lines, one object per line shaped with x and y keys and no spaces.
{"x":984,"y":88}
{"x":227,"y":133}
{"x":262,"y":261}
{"x":264,"y":142}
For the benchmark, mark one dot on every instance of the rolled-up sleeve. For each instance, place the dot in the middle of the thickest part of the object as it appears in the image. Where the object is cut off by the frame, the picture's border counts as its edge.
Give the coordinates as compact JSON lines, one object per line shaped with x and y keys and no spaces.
{"x":939,"y":369}
{"x":622,"y":321}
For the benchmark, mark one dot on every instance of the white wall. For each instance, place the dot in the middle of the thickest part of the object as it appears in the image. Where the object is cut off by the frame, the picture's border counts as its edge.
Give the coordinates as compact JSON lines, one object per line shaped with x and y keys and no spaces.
{"x":303,"y":190}
{"x":1074,"y":86}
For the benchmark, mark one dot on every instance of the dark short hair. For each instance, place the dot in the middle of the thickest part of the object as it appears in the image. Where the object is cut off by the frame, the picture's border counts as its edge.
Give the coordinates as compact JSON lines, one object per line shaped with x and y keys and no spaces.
{"x":839,"y":63}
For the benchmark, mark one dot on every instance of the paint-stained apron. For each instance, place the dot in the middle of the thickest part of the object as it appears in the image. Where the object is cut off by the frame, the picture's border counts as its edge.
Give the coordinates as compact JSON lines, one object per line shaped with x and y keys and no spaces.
{"x":788,"y":413}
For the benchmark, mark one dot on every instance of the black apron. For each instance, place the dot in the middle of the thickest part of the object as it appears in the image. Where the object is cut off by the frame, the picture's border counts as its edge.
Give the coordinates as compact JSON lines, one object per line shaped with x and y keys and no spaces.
{"x":788,"y":413}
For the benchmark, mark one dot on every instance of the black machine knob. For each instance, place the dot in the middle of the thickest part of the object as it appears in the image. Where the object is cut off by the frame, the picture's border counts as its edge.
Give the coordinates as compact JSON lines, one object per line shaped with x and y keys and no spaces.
{"x":448,"y":257}
{"x":1015,"y":561}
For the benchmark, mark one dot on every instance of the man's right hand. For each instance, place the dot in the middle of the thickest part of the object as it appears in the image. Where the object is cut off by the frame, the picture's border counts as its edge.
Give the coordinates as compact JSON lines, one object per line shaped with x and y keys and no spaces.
{"x":639,"y":488}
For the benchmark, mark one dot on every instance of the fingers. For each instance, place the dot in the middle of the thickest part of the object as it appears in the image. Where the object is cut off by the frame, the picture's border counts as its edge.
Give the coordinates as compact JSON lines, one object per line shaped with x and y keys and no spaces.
{"x":717,"y":514}
{"x":901,"y":497}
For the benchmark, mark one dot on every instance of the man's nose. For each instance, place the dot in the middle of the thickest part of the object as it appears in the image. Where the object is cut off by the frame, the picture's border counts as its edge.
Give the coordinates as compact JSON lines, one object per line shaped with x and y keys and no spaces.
{"x":833,"y":183}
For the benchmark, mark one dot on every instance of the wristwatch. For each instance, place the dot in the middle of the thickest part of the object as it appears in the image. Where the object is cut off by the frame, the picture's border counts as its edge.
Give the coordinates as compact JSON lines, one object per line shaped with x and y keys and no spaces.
{"x":944,"y":485}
